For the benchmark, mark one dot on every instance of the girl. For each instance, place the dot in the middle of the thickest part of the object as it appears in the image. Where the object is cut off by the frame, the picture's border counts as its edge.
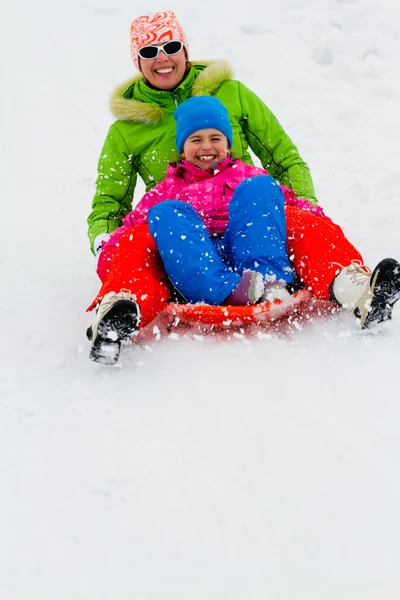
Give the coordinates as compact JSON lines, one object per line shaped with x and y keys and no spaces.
{"x":222,"y":229}
{"x":208,"y":234}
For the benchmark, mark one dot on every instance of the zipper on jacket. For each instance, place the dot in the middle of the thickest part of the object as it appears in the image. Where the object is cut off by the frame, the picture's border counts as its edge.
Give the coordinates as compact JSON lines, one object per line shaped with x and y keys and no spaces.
{"x":176,"y":100}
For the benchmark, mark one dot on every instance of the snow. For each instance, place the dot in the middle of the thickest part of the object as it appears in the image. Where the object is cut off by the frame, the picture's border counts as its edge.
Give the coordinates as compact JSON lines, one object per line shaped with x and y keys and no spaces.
{"x":197,"y":468}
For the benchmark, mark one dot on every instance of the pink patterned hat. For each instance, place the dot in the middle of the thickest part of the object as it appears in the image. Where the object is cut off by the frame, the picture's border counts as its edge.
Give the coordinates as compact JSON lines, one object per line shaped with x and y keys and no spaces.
{"x":161,"y":27}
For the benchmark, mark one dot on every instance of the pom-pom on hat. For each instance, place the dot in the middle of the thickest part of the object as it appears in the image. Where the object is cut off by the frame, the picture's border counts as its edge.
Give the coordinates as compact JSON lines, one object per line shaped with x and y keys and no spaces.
{"x":156,"y":29}
{"x":201,"y":112}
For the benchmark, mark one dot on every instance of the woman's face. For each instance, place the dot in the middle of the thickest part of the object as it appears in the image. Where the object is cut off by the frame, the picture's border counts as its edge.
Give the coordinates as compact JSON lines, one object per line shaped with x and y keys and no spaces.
{"x":205,"y":147}
{"x":164,"y":72}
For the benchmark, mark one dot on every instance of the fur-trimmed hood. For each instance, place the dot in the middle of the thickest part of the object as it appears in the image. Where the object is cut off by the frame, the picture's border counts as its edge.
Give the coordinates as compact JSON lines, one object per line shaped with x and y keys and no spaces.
{"x":203,"y":79}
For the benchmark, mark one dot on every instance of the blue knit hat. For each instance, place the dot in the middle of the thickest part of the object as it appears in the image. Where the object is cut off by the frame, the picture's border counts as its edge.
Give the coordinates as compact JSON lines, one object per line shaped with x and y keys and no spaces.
{"x":201,"y":112}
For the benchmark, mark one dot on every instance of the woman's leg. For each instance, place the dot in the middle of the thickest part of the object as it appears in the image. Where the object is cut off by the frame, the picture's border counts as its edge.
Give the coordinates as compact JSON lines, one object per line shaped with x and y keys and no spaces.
{"x":256,"y":233}
{"x":190,"y":259}
{"x":316,"y":247}
{"x":136,"y":267}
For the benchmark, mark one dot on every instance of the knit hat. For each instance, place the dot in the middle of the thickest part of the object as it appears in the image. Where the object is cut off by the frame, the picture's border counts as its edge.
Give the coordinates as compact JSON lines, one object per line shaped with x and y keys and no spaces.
{"x":201,"y":112}
{"x":156,"y":29}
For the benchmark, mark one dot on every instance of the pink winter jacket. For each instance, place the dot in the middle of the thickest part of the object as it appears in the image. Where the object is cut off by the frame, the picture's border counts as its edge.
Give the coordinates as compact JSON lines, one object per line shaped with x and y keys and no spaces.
{"x":208,"y":192}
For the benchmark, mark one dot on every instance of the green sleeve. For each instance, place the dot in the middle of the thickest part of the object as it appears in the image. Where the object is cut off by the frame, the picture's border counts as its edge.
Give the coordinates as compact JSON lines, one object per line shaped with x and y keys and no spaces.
{"x":115,"y":185}
{"x":276,"y":151}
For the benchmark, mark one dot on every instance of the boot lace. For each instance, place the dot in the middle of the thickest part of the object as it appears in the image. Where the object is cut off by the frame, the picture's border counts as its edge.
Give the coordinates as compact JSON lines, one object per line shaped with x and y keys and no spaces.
{"x":357,"y":271}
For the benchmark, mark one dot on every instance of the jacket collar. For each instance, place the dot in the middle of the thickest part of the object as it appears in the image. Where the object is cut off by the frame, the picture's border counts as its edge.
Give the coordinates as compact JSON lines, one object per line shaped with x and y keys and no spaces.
{"x":136,"y":102}
{"x":191,"y":173}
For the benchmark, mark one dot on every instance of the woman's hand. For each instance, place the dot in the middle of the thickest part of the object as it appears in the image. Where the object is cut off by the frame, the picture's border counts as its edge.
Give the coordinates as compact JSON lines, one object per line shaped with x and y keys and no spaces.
{"x":98,"y":242}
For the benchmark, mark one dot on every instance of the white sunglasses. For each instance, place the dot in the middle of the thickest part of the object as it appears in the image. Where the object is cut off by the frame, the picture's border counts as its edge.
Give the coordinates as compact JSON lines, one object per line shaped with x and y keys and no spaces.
{"x":169,"y":48}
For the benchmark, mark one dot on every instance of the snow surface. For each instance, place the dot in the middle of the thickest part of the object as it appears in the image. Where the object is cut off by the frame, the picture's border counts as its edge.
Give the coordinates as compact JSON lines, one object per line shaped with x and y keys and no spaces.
{"x":199,"y":468}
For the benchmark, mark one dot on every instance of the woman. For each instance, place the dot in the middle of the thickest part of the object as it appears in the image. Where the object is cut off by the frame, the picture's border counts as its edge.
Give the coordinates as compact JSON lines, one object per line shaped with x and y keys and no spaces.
{"x":142,"y":140}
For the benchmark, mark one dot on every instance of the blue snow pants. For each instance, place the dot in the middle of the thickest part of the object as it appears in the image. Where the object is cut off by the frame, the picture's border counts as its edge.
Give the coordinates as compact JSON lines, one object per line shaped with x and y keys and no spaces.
{"x":207,"y":269}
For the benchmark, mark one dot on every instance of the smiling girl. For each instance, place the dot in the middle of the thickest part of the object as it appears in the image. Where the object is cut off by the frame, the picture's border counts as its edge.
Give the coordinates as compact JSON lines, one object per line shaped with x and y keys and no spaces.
{"x":217,"y":223}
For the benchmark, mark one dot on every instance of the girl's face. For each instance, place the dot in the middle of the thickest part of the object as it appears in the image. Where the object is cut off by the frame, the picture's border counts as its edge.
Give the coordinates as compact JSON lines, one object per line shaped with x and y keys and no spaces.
{"x":164,"y":72}
{"x":205,"y":147}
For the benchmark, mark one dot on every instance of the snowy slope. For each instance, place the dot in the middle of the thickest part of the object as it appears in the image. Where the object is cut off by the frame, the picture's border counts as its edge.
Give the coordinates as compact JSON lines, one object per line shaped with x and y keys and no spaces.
{"x":248,"y":468}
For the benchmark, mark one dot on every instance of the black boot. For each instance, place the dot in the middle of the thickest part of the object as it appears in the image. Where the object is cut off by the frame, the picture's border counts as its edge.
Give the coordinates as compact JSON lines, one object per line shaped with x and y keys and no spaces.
{"x":118,"y":319}
{"x":384,"y":291}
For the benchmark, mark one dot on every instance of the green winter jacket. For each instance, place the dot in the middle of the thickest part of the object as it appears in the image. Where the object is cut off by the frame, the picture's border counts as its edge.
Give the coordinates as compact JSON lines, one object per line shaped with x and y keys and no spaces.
{"x":142,"y":140}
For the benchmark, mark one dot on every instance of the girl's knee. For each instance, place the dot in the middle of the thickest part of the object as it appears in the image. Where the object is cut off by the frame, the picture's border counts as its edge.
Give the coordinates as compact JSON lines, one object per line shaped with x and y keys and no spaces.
{"x":262,"y":183}
{"x":170,"y":209}
{"x":258,"y":192}
{"x":172,"y":215}
{"x":163,"y":208}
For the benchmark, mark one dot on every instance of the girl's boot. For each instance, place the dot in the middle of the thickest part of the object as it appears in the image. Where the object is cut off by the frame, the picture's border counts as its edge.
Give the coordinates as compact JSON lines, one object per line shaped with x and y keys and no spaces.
{"x":249,"y":290}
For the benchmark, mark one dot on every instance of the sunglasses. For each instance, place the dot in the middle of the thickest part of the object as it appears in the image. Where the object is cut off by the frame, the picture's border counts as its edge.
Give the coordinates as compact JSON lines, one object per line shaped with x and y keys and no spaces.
{"x":169,"y":48}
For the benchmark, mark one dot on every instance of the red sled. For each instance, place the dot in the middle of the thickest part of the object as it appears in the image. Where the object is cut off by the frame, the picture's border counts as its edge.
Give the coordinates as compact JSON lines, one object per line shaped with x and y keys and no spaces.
{"x":224,"y":317}
{"x":282,"y":317}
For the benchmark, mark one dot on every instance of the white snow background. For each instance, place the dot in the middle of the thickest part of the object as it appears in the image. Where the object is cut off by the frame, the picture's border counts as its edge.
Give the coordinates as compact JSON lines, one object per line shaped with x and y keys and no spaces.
{"x":232,"y":469}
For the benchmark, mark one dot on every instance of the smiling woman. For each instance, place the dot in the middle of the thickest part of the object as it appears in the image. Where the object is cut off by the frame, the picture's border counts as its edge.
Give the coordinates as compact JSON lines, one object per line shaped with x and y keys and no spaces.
{"x":163,"y":62}
{"x":216,"y":228}
{"x":165,"y":71}
{"x":163,"y":65}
